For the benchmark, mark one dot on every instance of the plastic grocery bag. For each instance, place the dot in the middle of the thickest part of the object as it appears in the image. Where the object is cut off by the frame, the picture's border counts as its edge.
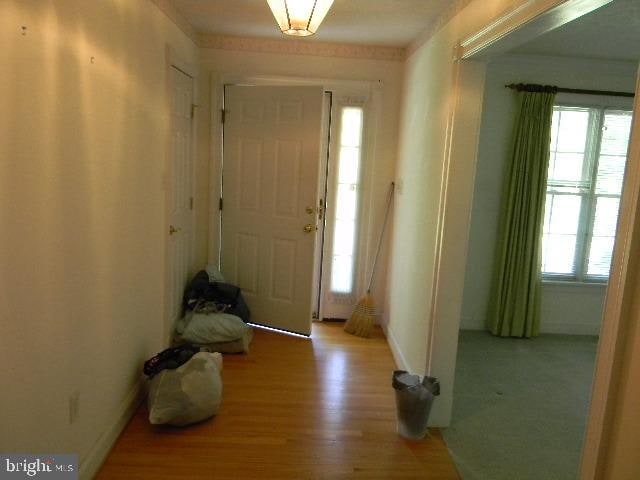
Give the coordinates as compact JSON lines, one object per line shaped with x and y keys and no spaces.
{"x":188,"y":394}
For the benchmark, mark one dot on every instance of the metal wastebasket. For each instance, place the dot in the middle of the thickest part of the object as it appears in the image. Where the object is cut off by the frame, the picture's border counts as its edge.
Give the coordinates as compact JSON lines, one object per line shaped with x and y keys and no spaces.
{"x":413,"y":403}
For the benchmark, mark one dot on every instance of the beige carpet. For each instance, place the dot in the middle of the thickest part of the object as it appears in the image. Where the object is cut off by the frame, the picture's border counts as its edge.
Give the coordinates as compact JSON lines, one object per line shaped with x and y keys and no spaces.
{"x":520,"y":406}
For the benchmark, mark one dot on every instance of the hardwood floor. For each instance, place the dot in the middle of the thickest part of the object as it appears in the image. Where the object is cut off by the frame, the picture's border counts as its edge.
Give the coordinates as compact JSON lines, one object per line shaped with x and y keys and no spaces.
{"x":294,"y":408}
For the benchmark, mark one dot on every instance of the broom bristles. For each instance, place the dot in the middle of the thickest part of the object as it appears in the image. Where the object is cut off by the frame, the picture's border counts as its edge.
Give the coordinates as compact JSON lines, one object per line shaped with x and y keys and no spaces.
{"x":361,"y":321}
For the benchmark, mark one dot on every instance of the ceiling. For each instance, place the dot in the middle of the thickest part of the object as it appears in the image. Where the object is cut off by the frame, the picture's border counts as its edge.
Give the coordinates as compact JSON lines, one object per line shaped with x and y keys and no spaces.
{"x":610,"y":32}
{"x":393,"y":23}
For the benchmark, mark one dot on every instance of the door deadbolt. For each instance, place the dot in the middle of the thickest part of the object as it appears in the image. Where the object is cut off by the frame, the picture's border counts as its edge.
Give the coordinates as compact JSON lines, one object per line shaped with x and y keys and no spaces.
{"x":308,"y":228}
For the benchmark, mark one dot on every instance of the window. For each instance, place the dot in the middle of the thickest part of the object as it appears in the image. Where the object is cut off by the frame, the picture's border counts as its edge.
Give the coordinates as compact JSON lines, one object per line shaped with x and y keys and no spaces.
{"x":586,"y":170}
{"x":344,"y":234}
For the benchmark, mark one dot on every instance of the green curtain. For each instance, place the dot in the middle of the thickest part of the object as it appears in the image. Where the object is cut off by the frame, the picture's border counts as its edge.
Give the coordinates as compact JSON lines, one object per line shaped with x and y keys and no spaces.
{"x":514,"y":307}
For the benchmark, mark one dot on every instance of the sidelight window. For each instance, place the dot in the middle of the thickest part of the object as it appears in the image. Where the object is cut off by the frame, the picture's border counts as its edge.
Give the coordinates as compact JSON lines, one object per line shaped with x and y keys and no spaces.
{"x":346,"y":211}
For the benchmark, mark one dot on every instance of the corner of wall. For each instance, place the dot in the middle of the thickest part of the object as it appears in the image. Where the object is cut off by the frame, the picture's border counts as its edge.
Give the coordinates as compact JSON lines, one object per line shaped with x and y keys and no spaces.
{"x":396,"y":351}
{"x":91,"y":463}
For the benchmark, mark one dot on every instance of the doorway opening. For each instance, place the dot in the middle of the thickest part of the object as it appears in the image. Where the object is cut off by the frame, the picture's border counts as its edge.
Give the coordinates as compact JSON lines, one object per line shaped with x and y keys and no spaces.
{"x":530,"y":398}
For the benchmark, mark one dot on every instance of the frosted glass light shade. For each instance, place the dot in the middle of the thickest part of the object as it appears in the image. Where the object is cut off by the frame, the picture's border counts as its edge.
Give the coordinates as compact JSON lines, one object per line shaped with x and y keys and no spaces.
{"x":300,"y":18}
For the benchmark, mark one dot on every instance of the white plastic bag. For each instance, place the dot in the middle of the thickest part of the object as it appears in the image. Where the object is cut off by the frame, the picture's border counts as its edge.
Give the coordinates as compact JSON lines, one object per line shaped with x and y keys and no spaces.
{"x":188,"y":394}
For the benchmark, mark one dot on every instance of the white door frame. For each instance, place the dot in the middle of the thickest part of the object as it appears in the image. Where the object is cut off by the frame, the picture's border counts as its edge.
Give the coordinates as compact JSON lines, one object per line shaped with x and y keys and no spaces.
{"x":321,"y":210}
{"x":526,"y":22}
{"x":173,"y":59}
{"x":617,"y":304}
{"x":370,"y":91}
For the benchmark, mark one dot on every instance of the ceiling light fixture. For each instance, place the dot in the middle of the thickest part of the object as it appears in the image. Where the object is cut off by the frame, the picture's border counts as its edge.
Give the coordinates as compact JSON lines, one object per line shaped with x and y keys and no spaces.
{"x":299,"y":18}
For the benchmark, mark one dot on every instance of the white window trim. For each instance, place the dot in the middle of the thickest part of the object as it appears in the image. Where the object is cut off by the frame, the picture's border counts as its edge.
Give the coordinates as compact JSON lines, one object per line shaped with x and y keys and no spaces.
{"x":585,"y":225}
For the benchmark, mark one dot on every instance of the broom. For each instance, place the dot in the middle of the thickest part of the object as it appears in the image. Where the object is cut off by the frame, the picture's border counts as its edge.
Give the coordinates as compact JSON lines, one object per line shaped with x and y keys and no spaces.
{"x":362,"y":319}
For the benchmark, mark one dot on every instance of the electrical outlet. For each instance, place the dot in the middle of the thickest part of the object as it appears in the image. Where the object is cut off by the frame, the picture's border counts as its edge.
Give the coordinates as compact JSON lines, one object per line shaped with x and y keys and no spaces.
{"x":74,"y":407}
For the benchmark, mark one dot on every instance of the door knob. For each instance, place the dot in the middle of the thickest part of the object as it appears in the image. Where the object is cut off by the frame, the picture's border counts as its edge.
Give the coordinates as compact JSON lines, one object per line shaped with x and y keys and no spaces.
{"x":308,"y":228}
{"x":173,"y":230}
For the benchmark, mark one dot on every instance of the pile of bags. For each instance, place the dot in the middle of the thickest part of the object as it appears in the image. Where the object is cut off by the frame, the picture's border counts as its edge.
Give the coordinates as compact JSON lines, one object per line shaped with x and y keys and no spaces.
{"x":216,"y":315}
{"x":185,"y":385}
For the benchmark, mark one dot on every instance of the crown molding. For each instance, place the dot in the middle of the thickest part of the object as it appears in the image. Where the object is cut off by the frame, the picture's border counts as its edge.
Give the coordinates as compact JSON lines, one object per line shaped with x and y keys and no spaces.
{"x":284,"y":46}
{"x":526,"y":21}
{"x":172,"y":14}
{"x":301,"y":47}
{"x":436,"y":25}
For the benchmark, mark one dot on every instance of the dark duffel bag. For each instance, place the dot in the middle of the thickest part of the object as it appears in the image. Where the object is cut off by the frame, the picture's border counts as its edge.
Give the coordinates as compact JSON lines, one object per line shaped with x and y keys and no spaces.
{"x":170,"y":359}
{"x":227,"y":298}
{"x":231,"y":296}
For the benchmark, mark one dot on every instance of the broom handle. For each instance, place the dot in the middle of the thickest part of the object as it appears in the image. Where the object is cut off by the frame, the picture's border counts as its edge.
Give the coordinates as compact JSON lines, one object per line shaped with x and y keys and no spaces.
{"x":384,"y":226}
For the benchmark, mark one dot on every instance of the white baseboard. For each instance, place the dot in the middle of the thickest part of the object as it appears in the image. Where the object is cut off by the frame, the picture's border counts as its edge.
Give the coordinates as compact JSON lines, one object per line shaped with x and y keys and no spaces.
{"x":546,"y":326}
{"x":470,"y":323}
{"x":92,"y":462}
{"x":570,"y":328}
{"x":401,"y":362}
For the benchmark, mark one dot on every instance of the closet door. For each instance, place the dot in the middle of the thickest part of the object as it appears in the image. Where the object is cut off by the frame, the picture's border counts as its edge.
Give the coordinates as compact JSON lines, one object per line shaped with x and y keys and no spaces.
{"x":179,"y":200}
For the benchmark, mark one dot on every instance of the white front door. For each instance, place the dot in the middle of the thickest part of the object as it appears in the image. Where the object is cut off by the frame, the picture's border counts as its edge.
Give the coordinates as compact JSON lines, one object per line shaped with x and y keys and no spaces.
{"x":270,"y":192}
{"x":179,"y":196}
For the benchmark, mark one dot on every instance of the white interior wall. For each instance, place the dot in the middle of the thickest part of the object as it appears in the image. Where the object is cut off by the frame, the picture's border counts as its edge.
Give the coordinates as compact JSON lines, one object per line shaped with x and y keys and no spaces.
{"x":426,"y":276}
{"x":82,"y":155}
{"x":571,"y":308}
{"x":385,"y":78}
{"x":428,"y":76}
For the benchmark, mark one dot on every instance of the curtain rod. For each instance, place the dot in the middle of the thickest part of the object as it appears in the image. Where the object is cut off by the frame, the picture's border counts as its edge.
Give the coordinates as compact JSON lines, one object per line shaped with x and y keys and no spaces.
{"x":522,"y":87}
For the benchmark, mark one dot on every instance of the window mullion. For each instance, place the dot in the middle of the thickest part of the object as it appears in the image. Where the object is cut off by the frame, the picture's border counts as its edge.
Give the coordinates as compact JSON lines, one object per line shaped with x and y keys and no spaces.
{"x":590,"y":207}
